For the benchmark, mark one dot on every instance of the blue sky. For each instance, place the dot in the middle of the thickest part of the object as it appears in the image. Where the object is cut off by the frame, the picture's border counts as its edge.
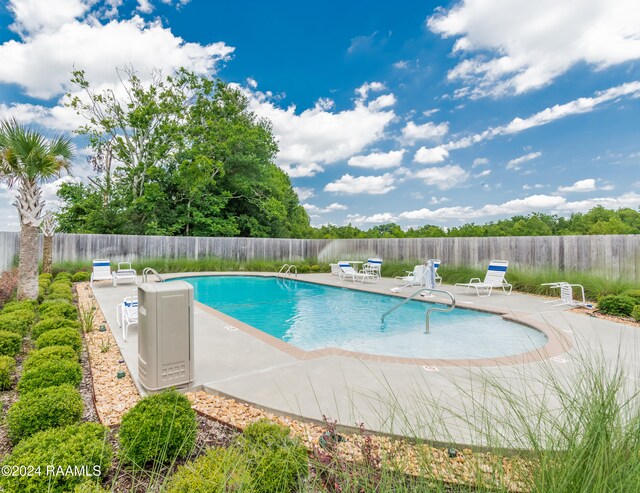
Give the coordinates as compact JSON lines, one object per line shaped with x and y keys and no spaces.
{"x":423,"y":112}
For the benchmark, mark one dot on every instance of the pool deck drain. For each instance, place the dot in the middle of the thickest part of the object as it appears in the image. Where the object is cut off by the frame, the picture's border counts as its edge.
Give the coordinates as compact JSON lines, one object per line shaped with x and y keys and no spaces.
{"x":388,"y":396}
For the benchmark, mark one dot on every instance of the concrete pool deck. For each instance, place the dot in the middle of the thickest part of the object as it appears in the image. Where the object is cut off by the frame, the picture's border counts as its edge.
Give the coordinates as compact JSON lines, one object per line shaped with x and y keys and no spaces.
{"x":442,"y":400}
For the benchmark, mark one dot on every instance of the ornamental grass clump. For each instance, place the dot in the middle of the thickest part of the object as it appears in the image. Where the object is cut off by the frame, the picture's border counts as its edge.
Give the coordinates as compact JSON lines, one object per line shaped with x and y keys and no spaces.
{"x":7,"y":369}
{"x":278,"y":462}
{"x":18,"y":321}
{"x":66,"y":457}
{"x":10,"y":343}
{"x":50,"y":374}
{"x":60,"y":337}
{"x":47,"y":354}
{"x":52,"y":323}
{"x":159,"y":428}
{"x":43,"y":409}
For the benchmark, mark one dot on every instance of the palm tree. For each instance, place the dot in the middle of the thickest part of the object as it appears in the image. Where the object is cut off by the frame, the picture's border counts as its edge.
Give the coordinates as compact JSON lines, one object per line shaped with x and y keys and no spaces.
{"x":27,"y":159}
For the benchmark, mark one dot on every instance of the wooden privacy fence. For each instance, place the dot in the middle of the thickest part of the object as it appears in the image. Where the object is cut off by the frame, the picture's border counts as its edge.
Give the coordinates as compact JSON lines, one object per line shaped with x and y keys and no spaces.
{"x":610,"y":255}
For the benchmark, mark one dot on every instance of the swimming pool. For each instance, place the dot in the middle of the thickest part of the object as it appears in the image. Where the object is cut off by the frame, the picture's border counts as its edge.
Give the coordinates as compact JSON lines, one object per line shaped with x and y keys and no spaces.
{"x":313,"y":316}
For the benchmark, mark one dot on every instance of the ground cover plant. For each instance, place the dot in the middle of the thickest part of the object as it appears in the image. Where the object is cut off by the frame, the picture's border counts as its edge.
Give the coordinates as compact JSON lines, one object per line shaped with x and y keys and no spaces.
{"x":7,"y":369}
{"x":50,"y":374}
{"x":60,"y":337}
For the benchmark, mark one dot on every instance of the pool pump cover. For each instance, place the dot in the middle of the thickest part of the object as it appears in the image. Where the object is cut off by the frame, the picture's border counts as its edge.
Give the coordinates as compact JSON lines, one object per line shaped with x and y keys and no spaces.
{"x":165,"y":334}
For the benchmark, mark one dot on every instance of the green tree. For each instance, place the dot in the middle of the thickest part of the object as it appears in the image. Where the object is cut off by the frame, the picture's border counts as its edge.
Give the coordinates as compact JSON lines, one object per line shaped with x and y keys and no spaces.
{"x":27,"y":159}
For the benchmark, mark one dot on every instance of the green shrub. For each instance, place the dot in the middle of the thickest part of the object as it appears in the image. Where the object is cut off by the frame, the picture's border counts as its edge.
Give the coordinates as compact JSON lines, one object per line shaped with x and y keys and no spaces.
{"x":58,"y":308}
{"x":63,"y":276}
{"x":616,"y":304}
{"x":46,"y":276}
{"x":18,"y":321}
{"x":634,"y":293}
{"x":159,"y":428}
{"x":43,"y":409}
{"x":315,"y":268}
{"x":218,"y":471}
{"x":50,"y":374}
{"x":52,"y":323}
{"x":10,"y":343}
{"x":75,"y":445}
{"x":42,"y":292}
{"x":635,"y":313}
{"x":304,"y":269}
{"x":276,"y":460}
{"x":90,"y":487}
{"x":60,"y":337}
{"x":13,"y":306}
{"x":62,"y":294}
{"x":50,"y":353}
{"x":7,"y":368}
{"x":81,"y":276}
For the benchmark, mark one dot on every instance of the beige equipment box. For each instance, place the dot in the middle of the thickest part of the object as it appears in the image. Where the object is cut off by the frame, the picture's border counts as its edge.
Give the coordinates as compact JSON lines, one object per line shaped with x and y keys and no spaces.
{"x":165,"y":334}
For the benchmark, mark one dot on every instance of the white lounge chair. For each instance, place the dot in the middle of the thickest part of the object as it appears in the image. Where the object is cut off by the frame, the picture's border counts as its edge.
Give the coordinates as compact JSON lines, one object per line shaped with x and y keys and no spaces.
{"x":124,"y":273}
{"x":373,"y":266}
{"x":414,"y":277}
{"x":566,"y":294}
{"x":101,"y":270}
{"x":494,"y":278}
{"x":127,"y":314}
{"x":436,"y":264}
{"x":335,"y":269}
{"x":350,"y":272}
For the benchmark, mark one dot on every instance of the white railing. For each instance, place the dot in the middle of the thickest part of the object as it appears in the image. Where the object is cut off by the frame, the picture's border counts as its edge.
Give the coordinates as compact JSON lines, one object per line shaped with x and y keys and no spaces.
{"x":432,"y":309}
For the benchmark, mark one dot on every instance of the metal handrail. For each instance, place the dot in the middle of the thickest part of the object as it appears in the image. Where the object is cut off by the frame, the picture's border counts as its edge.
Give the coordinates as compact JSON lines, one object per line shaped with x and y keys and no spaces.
{"x":428,"y":313}
{"x":288,"y":271}
{"x":150,"y":270}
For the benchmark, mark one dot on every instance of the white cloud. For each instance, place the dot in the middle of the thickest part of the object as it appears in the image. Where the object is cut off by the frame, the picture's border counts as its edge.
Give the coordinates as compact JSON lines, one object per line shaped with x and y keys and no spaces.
{"x":443,"y":177}
{"x":548,"y":115}
{"x":401,"y":64}
{"x":304,"y":193}
{"x":145,"y":6}
{"x":534,"y":203}
{"x":42,"y":62}
{"x":431,"y":155}
{"x":535,"y":42}
{"x":517,"y":162}
{"x":31,"y":16}
{"x":377,"y":160}
{"x":436,"y":200}
{"x":427,"y":131}
{"x":252,"y":83}
{"x":58,"y":118}
{"x":430,"y":112}
{"x":486,"y":172}
{"x":350,"y":185}
{"x":367,"y":87}
{"x":314,"y":209}
{"x":383,"y":101}
{"x":380,"y":218}
{"x":318,"y":135}
{"x":535,"y":186}
{"x":479,"y":161}
{"x":587,"y":185}
{"x":301,"y":170}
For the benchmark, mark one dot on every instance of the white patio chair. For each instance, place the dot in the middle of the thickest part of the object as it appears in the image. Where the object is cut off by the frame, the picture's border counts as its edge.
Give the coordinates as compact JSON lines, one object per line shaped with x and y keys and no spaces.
{"x":350,"y":272}
{"x":101,"y":270}
{"x":413,"y":278}
{"x":566,"y":294}
{"x":373,"y":266}
{"x":127,"y":314}
{"x":494,"y":278}
{"x":124,"y":273}
{"x":335,"y":269}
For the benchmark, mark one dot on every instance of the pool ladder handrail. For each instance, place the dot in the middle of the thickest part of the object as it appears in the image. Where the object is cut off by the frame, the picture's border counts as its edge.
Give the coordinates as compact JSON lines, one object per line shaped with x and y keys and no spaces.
{"x":150,"y":270}
{"x":288,"y":271}
{"x":432,"y":309}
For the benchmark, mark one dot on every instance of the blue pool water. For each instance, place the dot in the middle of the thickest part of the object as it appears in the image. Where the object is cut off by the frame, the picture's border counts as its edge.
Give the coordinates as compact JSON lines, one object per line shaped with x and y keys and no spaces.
{"x":311,"y":316}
